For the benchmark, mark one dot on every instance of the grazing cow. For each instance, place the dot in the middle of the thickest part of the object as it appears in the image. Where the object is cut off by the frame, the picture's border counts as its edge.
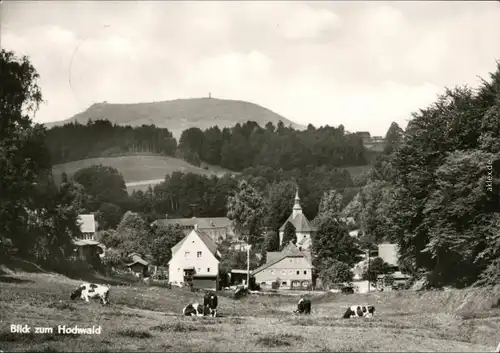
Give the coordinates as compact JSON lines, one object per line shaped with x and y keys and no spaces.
{"x":91,"y":290}
{"x":210,"y":301}
{"x":196,"y":309}
{"x":359,"y":311}
{"x":303,"y":306}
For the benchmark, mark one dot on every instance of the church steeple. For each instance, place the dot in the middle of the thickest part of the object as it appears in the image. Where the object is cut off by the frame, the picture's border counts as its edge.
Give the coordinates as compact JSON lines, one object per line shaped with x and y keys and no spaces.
{"x":296,"y":207}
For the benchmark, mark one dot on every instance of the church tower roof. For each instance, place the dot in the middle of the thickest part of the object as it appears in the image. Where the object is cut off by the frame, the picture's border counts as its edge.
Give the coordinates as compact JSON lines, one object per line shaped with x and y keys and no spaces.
{"x":296,"y":207}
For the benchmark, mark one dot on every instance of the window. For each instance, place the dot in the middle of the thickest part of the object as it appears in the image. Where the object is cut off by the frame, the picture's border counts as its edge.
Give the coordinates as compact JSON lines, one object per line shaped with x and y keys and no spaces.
{"x":283,"y":283}
{"x":198,"y":254}
{"x":305,"y":272}
{"x":263,"y":283}
{"x":298,"y":272}
{"x":178,"y":269}
{"x":199,"y":269}
{"x":187,"y":254}
{"x":208,"y":269}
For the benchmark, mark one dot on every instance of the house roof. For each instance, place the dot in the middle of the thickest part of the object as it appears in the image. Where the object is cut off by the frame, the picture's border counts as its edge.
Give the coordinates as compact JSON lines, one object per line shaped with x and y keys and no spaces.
{"x":136,"y":258}
{"x":203,"y":223}
{"x":288,"y":251}
{"x":300,"y":223}
{"x":209,"y":243}
{"x":86,"y":223}
{"x":139,"y":261}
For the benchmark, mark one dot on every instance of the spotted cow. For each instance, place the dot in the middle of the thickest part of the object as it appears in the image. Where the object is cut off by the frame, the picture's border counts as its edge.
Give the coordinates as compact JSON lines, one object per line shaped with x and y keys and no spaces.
{"x":359,"y":311}
{"x":196,"y":309}
{"x":210,"y":301}
{"x":303,"y":306}
{"x":91,"y":290}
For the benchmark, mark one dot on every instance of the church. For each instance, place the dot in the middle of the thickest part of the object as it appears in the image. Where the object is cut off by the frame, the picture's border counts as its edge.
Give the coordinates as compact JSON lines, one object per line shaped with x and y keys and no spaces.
{"x":303,"y":228}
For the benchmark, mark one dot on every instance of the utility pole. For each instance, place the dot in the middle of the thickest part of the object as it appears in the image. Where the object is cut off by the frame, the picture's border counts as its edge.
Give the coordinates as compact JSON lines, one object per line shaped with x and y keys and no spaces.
{"x":369,"y":282}
{"x":248,"y":266}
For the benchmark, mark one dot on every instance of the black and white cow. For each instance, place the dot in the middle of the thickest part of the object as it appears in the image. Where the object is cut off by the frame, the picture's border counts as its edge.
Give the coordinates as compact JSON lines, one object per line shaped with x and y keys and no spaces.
{"x":91,"y":290}
{"x":196,"y":309}
{"x":303,"y":306}
{"x":210,"y":301}
{"x":359,"y":311}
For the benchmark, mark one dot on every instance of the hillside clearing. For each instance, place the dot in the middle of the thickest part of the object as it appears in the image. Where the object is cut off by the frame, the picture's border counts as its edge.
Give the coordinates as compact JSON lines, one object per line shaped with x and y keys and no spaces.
{"x":142,"y":318}
{"x":139,"y":171}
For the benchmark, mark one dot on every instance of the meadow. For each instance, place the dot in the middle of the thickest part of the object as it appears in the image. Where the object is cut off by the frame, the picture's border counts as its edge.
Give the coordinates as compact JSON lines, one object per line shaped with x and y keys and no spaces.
{"x":139,"y":171}
{"x":142,"y":318}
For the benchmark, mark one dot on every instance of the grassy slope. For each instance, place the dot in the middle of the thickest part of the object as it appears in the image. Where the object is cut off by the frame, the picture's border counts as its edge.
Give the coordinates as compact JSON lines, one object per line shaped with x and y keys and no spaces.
{"x":181,"y":114}
{"x":141,"y":318}
{"x":139,"y":171}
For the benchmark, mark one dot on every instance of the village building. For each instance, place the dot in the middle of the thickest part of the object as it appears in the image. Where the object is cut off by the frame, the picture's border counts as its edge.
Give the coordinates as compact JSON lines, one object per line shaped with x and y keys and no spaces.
{"x":195,"y":261}
{"x":291,"y":268}
{"x":88,"y":226}
{"x":217,"y":228}
{"x":87,"y":248}
{"x":303,"y":228}
{"x":139,"y":266}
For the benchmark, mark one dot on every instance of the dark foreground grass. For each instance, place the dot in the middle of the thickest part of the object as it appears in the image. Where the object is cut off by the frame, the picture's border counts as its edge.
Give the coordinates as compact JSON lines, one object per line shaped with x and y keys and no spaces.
{"x":146,"y":318}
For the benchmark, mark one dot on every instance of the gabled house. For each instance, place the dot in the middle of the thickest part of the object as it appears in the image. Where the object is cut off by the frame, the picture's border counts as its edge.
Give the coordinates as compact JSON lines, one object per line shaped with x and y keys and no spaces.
{"x":139,"y":266}
{"x":291,"y":267}
{"x":195,"y":261}
{"x":303,"y":228}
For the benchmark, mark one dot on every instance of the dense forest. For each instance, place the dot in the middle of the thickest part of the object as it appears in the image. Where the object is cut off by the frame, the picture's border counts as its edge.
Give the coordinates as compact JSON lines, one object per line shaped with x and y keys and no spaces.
{"x":100,"y":138}
{"x":236,"y":148}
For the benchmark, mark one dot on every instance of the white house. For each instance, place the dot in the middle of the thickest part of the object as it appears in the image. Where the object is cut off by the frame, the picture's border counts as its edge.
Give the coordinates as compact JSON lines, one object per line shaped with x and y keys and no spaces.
{"x":195,"y":260}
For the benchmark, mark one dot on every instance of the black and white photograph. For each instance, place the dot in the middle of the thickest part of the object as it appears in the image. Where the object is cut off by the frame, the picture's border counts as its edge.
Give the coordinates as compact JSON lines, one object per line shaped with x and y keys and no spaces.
{"x":249,"y":176}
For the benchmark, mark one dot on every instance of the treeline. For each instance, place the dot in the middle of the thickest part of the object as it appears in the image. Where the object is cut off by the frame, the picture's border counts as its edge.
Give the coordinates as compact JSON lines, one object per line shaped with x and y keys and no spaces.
{"x":437,"y":194}
{"x":242,"y":146}
{"x":248,"y":144}
{"x":101,"y":138}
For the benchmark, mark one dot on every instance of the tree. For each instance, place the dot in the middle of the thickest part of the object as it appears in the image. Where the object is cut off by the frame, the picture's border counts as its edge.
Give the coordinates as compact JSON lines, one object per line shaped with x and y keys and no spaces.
{"x":289,"y":235}
{"x":133,"y":235}
{"x":334,"y":271}
{"x":165,"y":238}
{"x":246,"y":210}
{"x":393,"y":138}
{"x":377,"y":267}
{"x":271,"y":241}
{"x":279,"y":203}
{"x":109,"y":238}
{"x":331,"y":204}
{"x":23,"y":156}
{"x":104,"y":184}
{"x":109,"y":215}
{"x":445,"y":201}
{"x":332,"y":242}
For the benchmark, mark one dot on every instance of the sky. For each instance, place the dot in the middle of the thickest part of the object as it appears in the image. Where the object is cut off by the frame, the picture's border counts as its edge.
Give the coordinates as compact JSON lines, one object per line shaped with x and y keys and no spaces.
{"x":359,"y":64}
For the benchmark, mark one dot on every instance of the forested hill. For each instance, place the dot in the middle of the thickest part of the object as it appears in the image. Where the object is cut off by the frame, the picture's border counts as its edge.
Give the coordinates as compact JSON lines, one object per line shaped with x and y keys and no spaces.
{"x":242,"y":146}
{"x":180,"y":114}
